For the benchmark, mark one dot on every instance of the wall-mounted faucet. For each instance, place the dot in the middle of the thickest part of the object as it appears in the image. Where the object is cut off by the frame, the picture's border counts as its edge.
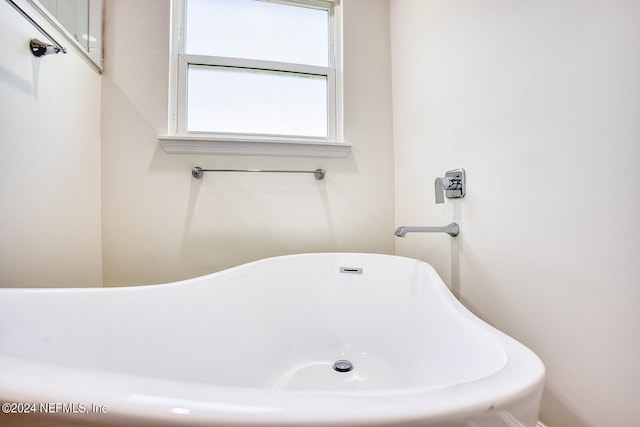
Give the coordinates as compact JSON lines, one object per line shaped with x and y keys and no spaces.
{"x":452,"y":185}
{"x":452,"y":230}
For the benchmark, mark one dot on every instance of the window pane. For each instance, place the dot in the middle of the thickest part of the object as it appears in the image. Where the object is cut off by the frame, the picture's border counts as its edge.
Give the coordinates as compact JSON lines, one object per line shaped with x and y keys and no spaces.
{"x":258,"y":30}
{"x":240,"y":100}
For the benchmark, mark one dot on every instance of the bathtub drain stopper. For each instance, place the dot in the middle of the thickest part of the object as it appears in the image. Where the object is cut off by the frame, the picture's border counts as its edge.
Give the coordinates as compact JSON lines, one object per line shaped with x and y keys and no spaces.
{"x":343,"y":366}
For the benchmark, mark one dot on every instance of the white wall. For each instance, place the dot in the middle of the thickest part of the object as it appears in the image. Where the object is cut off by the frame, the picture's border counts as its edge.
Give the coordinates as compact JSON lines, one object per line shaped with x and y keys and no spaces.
{"x":50,"y":177}
{"x":160,"y":224}
{"x":539,"y":102}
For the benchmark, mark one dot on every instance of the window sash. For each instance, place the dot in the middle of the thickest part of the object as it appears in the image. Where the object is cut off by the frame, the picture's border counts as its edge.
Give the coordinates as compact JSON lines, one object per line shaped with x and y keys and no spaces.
{"x":186,"y":60}
{"x":181,"y":61}
{"x":251,"y":29}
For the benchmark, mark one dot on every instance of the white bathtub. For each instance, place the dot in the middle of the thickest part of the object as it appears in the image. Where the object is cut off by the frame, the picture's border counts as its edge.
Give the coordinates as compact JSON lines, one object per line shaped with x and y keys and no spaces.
{"x":254,"y":346}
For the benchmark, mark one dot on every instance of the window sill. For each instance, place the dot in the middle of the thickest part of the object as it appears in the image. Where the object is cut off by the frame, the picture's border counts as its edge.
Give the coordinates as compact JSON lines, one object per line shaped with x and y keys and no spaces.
{"x":252,"y":146}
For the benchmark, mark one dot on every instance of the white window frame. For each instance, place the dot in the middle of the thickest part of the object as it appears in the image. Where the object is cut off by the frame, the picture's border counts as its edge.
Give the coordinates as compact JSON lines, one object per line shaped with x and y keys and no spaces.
{"x":179,"y":140}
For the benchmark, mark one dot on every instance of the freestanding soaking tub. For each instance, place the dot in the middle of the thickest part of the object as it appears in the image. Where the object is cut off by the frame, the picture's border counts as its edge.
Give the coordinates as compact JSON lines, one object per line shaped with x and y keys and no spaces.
{"x":302,"y":340}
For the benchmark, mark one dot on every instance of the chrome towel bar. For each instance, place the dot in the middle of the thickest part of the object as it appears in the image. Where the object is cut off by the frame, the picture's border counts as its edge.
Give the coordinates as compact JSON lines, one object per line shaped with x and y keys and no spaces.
{"x":197,"y":172}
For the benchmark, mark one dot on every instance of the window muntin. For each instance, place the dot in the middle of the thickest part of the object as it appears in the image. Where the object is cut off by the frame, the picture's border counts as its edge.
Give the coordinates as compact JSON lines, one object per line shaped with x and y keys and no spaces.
{"x":211,"y":108}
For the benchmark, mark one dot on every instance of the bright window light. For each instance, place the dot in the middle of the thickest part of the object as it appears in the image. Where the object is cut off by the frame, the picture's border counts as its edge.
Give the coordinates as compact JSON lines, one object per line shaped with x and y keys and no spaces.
{"x":258,"y":30}
{"x":253,"y":71}
{"x":240,"y":100}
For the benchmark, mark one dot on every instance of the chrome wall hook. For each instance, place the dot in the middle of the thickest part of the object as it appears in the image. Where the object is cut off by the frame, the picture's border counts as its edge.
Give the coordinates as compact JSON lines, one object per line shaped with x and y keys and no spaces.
{"x":37,"y":47}
{"x":40,"y":48}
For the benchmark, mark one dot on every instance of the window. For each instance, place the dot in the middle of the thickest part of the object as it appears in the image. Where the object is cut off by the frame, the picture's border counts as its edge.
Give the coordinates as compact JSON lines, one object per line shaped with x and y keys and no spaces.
{"x":250,"y":76}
